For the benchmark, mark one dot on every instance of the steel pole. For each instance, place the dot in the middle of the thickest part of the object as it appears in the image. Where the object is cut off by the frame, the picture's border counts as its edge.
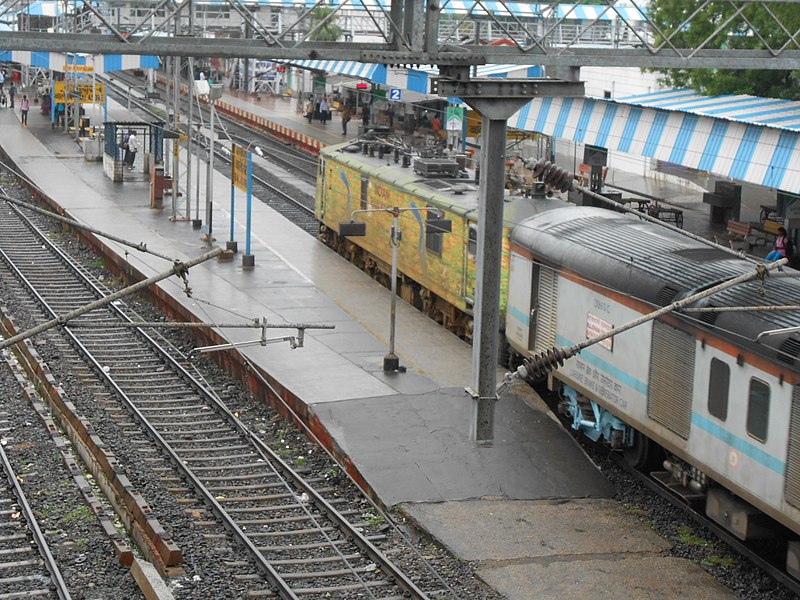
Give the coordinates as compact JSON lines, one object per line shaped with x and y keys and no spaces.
{"x":176,"y":146}
{"x":248,"y":260}
{"x":190,"y":118}
{"x":197,"y":221}
{"x":232,"y":240}
{"x":210,"y":178}
{"x":391,"y":362}
{"x":487,"y":288}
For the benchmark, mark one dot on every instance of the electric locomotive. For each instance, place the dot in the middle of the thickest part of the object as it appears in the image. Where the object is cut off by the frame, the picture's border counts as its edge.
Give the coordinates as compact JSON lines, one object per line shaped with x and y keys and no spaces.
{"x":436,"y":270}
{"x":716,"y":393}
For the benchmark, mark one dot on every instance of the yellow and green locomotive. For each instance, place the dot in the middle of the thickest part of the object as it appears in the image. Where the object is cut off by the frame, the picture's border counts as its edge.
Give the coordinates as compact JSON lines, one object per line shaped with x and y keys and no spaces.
{"x":436,"y":270}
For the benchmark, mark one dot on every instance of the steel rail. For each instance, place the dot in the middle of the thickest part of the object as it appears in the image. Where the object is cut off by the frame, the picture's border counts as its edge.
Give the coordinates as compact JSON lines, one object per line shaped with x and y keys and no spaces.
{"x":723,"y":534}
{"x":140,"y":246}
{"x":274,"y":577}
{"x":222,"y":156}
{"x":207,"y":496}
{"x":36,"y":532}
{"x":265,"y":135}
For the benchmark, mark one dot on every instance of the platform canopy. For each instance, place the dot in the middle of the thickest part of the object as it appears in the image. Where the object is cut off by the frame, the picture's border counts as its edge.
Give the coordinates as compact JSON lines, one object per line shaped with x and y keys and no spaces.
{"x":774,"y":112}
{"x":88,"y":63}
{"x":741,"y":137}
{"x":416,"y":80}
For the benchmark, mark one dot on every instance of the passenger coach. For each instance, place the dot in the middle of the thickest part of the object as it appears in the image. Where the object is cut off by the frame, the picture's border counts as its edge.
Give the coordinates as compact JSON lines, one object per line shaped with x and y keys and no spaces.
{"x":723,"y":403}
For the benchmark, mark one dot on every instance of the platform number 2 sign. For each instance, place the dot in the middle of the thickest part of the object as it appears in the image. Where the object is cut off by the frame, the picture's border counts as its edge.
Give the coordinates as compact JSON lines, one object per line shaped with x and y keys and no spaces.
{"x":394,"y":94}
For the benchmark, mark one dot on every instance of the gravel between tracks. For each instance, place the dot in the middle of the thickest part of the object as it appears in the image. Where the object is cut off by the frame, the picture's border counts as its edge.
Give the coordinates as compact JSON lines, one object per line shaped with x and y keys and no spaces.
{"x":689,"y":540}
{"x":82,"y":550}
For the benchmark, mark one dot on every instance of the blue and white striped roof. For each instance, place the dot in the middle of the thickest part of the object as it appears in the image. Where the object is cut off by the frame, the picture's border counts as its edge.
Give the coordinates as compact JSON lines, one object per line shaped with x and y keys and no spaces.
{"x":416,"y":80}
{"x":57,"y":61}
{"x":773,"y":112}
{"x":747,"y":151}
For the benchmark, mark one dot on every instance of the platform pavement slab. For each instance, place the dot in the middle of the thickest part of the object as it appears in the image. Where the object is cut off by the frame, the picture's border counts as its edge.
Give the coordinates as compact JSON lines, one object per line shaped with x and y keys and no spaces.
{"x":550,"y":550}
{"x":609,"y":578}
{"x":416,"y":448}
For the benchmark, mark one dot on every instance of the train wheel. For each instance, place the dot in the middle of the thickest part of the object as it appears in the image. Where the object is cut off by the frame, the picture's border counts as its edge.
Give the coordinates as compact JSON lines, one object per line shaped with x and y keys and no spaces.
{"x":645,"y":455}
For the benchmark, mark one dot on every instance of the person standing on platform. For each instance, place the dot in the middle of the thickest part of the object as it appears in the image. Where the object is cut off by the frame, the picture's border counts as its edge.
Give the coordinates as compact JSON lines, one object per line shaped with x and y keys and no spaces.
{"x":2,"y":79}
{"x":24,"y":106}
{"x":12,"y":91}
{"x":365,"y":114}
{"x":309,"y":110}
{"x":436,"y":126}
{"x":346,"y":114}
{"x":324,"y":110}
{"x":133,"y":148}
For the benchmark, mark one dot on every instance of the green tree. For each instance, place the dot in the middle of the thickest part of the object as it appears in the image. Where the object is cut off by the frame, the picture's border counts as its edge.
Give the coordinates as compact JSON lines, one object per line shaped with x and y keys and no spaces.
{"x":756,"y":27}
{"x":328,"y":31}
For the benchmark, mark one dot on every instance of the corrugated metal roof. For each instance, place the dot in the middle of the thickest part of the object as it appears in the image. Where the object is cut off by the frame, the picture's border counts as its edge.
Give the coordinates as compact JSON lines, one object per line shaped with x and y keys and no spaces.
{"x":773,"y":112}
{"x":415,"y":80}
{"x":705,"y":137}
{"x":101,"y":63}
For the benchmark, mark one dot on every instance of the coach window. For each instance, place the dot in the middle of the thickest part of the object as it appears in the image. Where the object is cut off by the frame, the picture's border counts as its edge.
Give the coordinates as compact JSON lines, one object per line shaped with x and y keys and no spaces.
{"x":758,"y":410}
{"x":718,"y":388}
{"x":364,"y":192}
{"x":472,"y":244}
{"x":433,"y":236}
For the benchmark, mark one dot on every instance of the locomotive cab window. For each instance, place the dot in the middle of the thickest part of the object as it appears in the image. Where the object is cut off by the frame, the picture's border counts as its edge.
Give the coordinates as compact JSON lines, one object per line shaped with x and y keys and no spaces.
{"x":758,"y":410}
{"x":433,"y":236}
{"x":364,"y":192}
{"x":472,"y":244}
{"x":719,"y":382}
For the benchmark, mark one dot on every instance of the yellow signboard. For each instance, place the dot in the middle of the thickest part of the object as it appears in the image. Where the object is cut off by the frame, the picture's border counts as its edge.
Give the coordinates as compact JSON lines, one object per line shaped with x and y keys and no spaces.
{"x":473,"y":124}
{"x":78,"y":68}
{"x":239,"y":163}
{"x":85,"y":90}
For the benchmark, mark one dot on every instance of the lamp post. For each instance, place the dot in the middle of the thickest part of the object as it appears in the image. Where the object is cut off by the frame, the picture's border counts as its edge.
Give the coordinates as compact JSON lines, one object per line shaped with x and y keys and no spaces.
{"x":391,"y":363}
{"x":214,"y":94}
{"x":240,"y":155}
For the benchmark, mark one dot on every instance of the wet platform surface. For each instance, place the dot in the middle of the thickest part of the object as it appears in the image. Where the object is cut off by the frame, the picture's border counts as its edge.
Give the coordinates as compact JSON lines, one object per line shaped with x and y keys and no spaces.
{"x":531,"y":510}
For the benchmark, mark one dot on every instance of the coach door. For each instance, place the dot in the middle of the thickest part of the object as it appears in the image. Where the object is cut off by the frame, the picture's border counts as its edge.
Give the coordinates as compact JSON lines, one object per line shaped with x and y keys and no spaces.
{"x":544,"y":308}
{"x":792,"y":486}
{"x":669,"y":399}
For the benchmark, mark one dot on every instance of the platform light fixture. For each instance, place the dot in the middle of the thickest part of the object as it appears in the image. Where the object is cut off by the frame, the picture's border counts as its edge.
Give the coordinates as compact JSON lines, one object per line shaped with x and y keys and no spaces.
{"x":214,"y":94}
{"x":353,"y":228}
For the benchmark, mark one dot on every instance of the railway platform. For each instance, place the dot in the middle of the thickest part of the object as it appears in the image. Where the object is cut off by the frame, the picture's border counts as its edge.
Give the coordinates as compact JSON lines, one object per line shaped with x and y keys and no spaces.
{"x":532,"y":511}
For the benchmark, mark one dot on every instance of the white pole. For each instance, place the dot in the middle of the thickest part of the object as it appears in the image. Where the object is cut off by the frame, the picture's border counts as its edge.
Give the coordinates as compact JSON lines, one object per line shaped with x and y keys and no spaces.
{"x":210,"y":176}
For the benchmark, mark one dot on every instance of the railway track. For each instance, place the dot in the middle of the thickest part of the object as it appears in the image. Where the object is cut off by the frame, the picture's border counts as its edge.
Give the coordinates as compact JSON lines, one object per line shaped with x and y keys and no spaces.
{"x":27,"y":567}
{"x":627,"y":477}
{"x":297,"y":542}
{"x":268,"y":185}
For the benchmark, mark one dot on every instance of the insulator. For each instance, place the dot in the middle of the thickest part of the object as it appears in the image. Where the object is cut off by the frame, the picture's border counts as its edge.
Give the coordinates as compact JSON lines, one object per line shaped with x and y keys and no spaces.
{"x":543,"y":363}
{"x":540,"y":167}
{"x":552,"y":175}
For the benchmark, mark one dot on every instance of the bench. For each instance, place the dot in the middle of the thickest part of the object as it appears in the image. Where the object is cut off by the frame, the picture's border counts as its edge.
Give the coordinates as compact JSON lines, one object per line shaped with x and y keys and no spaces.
{"x":641,"y":203}
{"x":736,"y":231}
{"x":770,"y":230}
{"x":673,"y":215}
{"x":767,"y":211}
